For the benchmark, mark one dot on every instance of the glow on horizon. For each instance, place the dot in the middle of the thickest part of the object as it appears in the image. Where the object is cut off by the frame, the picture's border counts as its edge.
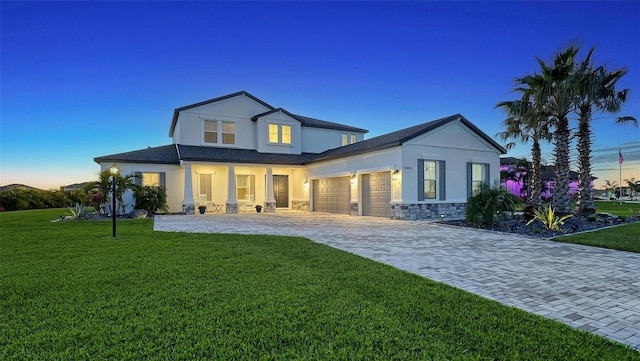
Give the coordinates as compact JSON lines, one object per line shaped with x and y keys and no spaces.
{"x":87,"y":79}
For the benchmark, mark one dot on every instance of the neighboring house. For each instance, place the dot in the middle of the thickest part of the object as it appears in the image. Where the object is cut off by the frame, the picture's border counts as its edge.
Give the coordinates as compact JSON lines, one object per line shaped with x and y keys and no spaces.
{"x":236,"y":151}
{"x":509,"y":164}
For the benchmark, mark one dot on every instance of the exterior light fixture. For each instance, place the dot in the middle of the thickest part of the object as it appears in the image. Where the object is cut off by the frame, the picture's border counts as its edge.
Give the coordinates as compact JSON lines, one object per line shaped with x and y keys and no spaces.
{"x":306,"y":183}
{"x":114,"y":170}
{"x":442,"y":216}
{"x":394,"y":174}
{"x":353,"y":179}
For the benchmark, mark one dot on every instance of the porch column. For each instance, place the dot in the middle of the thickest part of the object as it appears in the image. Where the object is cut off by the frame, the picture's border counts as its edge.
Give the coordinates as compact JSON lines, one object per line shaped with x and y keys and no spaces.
{"x":232,"y":201}
{"x":188,"y":204}
{"x":270,"y":201}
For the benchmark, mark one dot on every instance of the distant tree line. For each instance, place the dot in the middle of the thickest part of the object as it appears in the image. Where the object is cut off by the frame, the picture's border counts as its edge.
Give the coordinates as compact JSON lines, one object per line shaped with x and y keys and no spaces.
{"x":21,"y":198}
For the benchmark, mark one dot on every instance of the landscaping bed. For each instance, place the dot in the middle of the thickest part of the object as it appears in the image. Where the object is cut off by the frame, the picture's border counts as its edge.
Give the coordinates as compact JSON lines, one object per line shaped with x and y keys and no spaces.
{"x":516,"y":224}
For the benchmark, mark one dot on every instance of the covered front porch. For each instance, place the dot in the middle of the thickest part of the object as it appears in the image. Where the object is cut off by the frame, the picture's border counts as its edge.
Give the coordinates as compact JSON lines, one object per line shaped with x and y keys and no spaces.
{"x":232,"y":188}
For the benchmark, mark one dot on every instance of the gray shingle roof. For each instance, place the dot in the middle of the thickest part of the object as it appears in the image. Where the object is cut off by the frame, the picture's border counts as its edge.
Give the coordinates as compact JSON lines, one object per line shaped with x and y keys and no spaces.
{"x":398,"y":137}
{"x":165,"y":154}
{"x":306,"y":121}
{"x":230,"y":155}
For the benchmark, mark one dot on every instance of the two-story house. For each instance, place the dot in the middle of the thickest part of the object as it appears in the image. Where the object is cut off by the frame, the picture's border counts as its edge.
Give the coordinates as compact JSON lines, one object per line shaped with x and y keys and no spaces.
{"x":233,"y":152}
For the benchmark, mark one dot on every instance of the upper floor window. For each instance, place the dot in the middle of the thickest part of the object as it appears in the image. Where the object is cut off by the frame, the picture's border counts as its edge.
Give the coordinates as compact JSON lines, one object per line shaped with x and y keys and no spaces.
{"x":279,"y":133}
{"x":228,"y":133}
{"x":210,"y":131}
{"x":226,"y":129}
{"x":348,"y":138}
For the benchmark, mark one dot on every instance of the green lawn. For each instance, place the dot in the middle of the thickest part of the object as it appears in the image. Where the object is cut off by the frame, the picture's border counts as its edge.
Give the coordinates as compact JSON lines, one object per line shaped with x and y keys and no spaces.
{"x":624,"y":238}
{"x":68,"y":291}
{"x":617,"y":209}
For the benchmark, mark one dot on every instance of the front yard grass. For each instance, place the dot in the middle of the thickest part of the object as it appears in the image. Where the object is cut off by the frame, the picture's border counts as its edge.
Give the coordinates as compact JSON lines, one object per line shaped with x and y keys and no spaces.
{"x":624,"y":238}
{"x":69,"y":291}
{"x":614,"y":207}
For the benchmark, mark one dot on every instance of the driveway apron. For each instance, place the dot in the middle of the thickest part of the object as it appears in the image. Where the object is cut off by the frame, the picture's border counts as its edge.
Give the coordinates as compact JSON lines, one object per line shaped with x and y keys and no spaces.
{"x":588,"y":288}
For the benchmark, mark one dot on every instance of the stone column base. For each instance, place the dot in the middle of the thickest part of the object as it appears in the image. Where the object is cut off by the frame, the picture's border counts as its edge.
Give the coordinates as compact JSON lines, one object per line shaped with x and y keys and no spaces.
{"x":269,"y":207}
{"x":232,"y":208}
{"x":188,"y":209}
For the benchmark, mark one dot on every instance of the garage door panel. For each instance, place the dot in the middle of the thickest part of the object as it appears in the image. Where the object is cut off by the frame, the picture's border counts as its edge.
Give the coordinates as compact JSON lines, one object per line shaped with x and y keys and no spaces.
{"x":377,"y":195}
{"x":332,"y":195}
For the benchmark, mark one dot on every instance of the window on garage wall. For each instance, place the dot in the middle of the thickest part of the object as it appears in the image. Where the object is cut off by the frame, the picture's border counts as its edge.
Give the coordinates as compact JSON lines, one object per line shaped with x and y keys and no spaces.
{"x":431,"y":180}
{"x":477,"y":174}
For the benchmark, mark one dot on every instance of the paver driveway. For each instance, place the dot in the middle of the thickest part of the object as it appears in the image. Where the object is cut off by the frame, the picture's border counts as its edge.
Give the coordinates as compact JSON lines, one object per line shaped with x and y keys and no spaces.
{"x":589,"y":288}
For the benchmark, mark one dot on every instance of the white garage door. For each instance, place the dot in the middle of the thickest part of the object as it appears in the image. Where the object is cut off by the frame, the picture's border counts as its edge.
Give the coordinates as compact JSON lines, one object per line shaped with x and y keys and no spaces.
{"x":332,"y":195}
{"x":376,"y":194}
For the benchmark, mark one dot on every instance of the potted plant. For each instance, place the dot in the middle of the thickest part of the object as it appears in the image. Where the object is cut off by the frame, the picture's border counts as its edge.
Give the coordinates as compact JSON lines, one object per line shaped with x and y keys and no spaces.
{"x":202,"y":209}
{"x":258,"y":208}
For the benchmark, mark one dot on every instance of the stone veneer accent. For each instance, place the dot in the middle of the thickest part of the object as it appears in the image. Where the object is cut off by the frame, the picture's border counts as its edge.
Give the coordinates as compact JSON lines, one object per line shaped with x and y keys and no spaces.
{"x":428,"y":211}
{"x":188,"y":209}
{"x":269,"y":207}
{"x":232,"y":208}
{"x":353,"y":211}
{"x":300,"y":205}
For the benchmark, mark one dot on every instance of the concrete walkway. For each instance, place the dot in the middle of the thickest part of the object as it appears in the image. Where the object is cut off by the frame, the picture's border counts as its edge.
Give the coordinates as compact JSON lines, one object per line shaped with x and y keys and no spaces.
{"x":588,"y":288}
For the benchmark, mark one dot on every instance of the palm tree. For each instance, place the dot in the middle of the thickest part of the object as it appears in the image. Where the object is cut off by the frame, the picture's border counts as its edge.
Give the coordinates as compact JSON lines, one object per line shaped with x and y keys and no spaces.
{"x":553,"y":90}
{"x":525,"y":123}
{"x":633,"y":185}
{"x":596,"y":93}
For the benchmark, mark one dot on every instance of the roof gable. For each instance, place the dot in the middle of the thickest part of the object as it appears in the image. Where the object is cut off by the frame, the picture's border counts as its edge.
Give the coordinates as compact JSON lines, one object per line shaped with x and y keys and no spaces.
{"x":176,"y":112}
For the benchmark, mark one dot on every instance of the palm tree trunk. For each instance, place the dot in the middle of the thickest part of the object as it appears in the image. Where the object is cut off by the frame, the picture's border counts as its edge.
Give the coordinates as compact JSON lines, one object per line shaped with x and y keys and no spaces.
{"x":561,"y":193}
{"x":535,"y":186}
{"x":586,"y":205}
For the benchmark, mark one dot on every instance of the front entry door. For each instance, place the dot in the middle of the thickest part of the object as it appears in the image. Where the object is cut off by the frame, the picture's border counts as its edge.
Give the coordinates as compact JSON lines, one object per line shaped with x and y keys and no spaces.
{"x":281,"y":190}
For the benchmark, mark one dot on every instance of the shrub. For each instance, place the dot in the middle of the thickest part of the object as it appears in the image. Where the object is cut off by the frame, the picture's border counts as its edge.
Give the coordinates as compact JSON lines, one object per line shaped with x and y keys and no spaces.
{"x":488,"y":203}
{"x":549,"y":218}
{"x":151,"y":199}
{"x":592,"y":218}
{"x":79,"y":212}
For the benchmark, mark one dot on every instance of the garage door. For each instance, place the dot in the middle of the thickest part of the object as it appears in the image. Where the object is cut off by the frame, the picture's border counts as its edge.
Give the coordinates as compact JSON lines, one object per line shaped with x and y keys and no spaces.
{"x":376,"y":194}
{"x":332,"y":195}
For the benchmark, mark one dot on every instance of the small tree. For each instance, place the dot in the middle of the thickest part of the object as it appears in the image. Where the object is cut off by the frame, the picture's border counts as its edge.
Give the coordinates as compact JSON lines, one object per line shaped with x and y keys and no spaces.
{"x":151,"y":199}
{"x":489,"y":203}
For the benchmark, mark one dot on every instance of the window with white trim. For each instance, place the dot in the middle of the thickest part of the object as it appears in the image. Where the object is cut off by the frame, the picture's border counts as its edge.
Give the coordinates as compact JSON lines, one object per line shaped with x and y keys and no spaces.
{"x":227,"y":131}
{"x":279,"y":133}
{"x":245,"y":187}
{"x":205,"y":188}
{"x":477,"y":174}
{"x":210,"y":131}
{"x":348,"y":138}
{"x":430,"y":180}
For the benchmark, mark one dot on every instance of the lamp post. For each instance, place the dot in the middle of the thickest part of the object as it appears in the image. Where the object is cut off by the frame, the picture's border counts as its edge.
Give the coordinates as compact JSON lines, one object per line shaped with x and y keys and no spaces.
{"x":114,"y":172}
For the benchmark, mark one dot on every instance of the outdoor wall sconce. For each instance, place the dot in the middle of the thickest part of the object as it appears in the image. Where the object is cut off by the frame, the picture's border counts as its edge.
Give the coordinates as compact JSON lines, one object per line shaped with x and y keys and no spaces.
{"x":114,"y":170}
{"x":306,"y":183}
{"x":394,"y":174}
{"x":353,"y":179}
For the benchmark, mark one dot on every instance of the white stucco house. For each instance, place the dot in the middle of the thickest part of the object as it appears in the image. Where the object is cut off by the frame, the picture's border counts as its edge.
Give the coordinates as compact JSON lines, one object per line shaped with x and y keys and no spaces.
{"x":236,"y":151}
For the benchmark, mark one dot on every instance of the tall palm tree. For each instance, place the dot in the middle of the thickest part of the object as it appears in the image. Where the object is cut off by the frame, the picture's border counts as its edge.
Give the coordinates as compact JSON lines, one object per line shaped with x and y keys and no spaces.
{"x":553,"y":90}
{"x":596,"y":93}
{"x":526,"y":123}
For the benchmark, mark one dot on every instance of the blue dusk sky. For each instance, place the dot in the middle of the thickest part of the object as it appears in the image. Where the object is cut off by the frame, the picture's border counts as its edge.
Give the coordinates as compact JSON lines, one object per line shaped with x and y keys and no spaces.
{"x":87,"y":79}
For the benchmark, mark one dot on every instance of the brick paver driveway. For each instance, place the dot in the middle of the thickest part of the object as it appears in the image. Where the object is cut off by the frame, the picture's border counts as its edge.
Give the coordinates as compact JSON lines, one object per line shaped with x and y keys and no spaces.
{"x":589,"y":288}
